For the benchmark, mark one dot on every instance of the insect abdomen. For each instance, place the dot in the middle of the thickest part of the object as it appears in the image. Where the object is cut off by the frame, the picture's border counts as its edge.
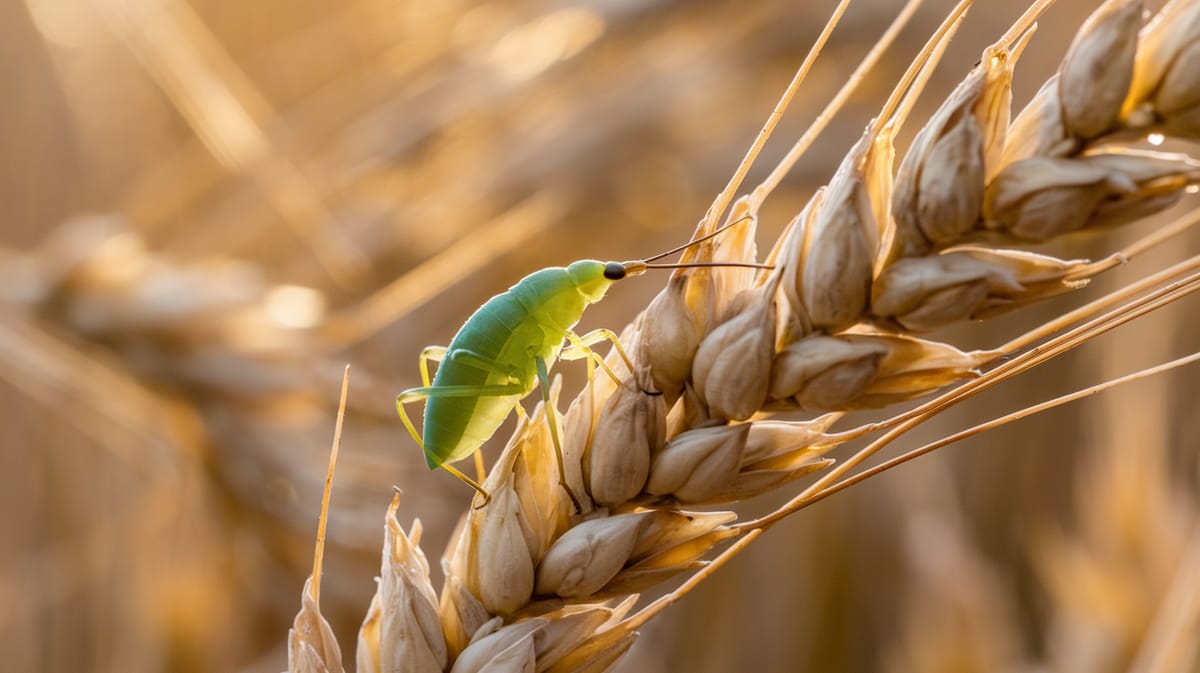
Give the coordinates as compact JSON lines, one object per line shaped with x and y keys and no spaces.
{"x":510,"y":330}
{"x":456,"y":426}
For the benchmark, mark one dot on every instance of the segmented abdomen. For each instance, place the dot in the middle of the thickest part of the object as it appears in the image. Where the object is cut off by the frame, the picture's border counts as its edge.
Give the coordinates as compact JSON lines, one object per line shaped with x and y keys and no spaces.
{"x":456,"y":426}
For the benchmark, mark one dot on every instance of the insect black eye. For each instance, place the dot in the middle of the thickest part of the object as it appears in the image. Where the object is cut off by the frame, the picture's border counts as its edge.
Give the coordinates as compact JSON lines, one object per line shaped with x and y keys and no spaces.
{"x":614,"y":271}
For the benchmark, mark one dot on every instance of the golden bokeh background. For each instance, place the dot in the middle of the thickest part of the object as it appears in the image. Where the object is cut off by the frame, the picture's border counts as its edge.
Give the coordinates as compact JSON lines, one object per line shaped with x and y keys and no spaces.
{"x":210,"y":206}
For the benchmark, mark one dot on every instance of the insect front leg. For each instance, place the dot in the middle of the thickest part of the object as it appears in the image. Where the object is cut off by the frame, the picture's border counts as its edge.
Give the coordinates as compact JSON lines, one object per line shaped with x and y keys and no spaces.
{"x":580,"y":348}
{"x":551,"y":413}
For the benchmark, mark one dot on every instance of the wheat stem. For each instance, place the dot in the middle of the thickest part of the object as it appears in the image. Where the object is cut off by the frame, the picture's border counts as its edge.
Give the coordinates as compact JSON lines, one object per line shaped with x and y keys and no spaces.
{"x":998,"y":422}
{"x":1094,"y":307}
{"x":644,"y":615}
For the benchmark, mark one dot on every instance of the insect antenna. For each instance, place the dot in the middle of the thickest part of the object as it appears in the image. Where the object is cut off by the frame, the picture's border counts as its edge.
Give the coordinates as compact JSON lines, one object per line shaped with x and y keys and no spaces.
{"x":689,"y":265}
{"x":619,"y":270}
{"x":694,"y":241}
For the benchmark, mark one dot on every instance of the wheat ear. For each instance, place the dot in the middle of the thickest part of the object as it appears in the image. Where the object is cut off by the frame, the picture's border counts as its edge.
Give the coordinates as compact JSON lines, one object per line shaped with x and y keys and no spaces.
{"x":876,"y":255}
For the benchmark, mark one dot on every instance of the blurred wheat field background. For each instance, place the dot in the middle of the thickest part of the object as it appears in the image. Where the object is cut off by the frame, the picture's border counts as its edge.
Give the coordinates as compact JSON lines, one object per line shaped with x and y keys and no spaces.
{"x":210,"y":207}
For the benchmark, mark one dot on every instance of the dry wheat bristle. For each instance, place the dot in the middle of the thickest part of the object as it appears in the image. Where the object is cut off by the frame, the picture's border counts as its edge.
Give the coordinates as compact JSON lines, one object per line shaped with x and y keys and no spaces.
{"x":876,"y":254}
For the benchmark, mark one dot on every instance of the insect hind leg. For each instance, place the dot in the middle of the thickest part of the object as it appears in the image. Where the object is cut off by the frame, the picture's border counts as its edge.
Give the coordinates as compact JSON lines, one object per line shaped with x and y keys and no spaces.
{"x":426,"y":392}
{"x":429,"y":354}
{"x":471,"y":359}
{"x":466,"y":357}
{"x":487,"y":497}
{"x":408,"y":397}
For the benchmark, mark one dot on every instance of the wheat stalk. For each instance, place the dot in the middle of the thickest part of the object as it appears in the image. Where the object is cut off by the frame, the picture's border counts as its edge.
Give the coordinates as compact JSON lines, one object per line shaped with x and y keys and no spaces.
{"x":877,"y":254}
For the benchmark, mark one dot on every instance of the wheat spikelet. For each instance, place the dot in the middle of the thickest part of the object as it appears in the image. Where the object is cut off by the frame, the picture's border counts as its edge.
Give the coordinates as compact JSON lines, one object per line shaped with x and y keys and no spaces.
{"x":534,"y":585}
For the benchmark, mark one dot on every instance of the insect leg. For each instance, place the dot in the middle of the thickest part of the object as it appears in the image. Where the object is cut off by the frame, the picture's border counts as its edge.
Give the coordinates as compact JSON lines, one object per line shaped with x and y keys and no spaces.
{"x":522,"y":416}
{"x":470,"y":482}
{"x":413,"y":395}
{"x":418,"y":394}
{"x":480,"y":468}
{"x":579,"y":348}
{"x":571,"y":352}
{"x":429,"y":354}
{"x":597,"y":335}
{"x":551,"y":412}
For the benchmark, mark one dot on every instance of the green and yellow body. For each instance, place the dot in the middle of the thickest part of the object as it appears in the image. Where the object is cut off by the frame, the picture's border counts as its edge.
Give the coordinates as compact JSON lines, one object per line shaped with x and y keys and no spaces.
{"x":494,"y":360}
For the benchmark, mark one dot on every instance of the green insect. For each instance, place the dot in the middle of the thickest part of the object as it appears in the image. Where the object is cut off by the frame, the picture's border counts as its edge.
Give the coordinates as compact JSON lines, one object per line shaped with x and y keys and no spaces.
{"x":506,"y":348}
